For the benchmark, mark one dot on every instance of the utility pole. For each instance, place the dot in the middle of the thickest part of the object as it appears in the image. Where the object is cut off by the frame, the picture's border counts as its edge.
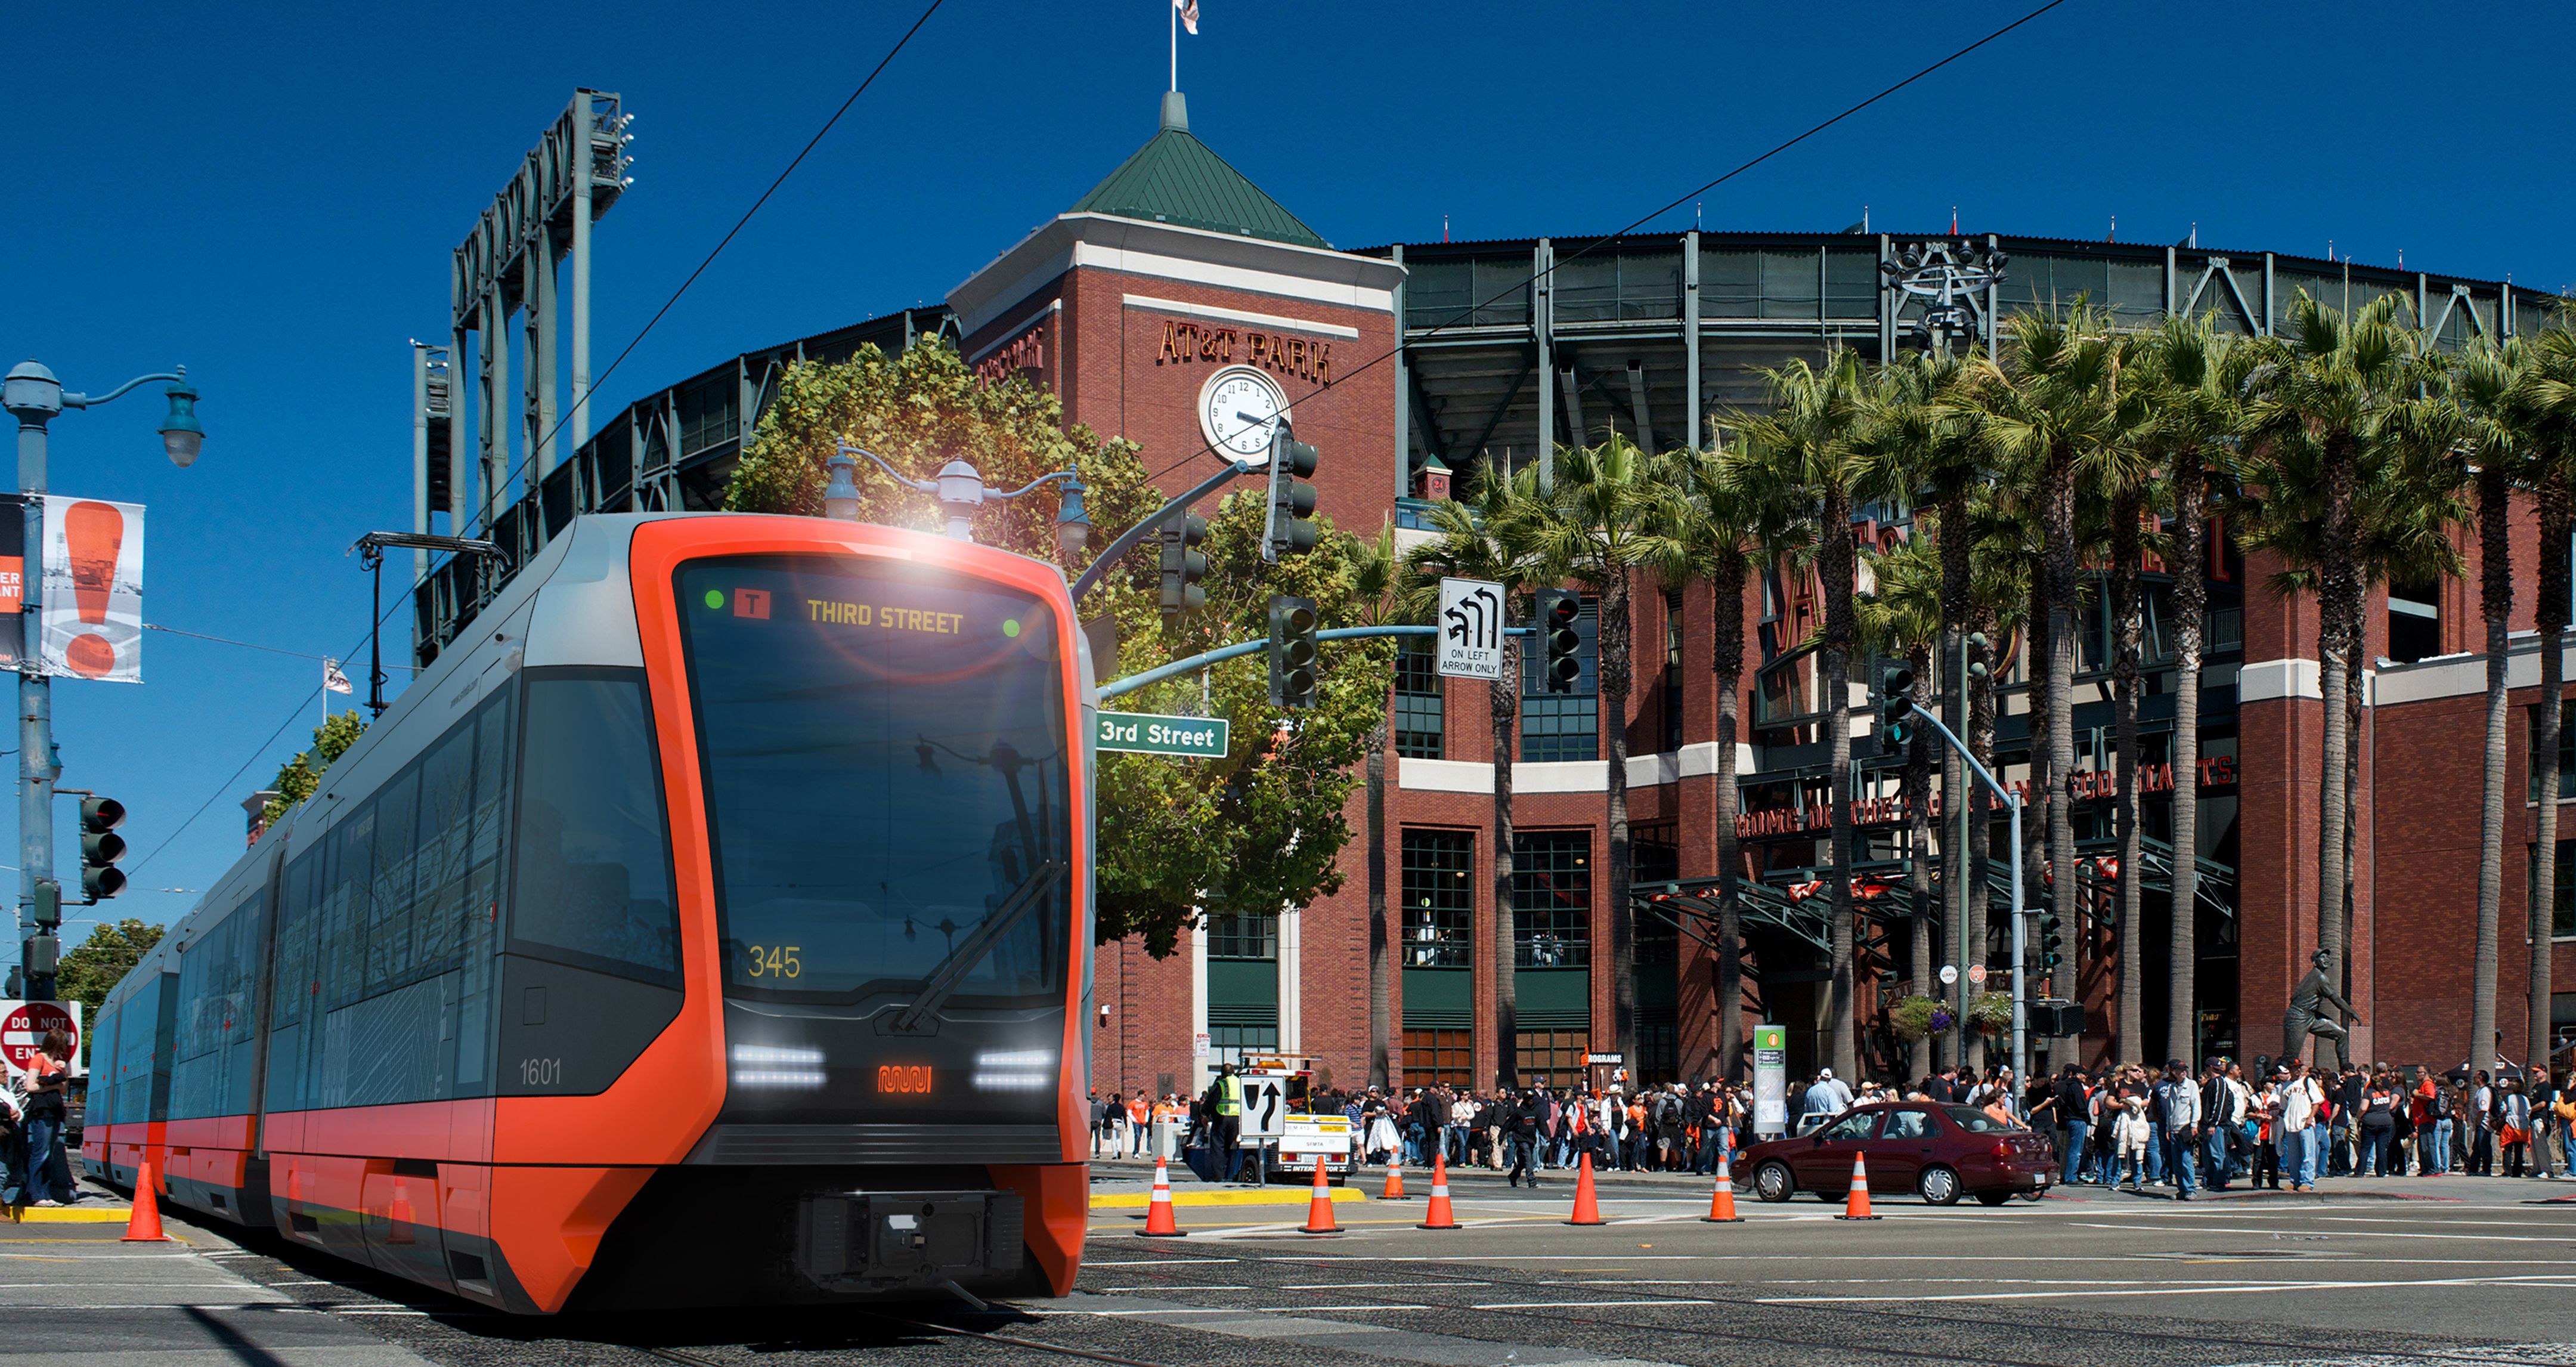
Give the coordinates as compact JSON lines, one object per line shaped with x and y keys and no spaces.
{"x":35,"y":398}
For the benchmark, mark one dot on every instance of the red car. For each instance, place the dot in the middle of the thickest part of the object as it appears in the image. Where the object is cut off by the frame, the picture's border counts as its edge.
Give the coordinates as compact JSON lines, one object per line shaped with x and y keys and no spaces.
{"x":1943,"y":1152}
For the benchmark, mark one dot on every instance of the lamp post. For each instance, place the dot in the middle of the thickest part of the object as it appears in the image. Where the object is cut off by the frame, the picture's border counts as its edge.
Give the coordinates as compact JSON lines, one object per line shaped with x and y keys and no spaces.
{"x":35,"y":398}
{"x":959,"y":487}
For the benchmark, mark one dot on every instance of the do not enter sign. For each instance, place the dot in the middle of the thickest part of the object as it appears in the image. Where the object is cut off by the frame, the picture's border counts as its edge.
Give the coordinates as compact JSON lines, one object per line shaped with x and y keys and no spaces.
{"x":23,"y":1027}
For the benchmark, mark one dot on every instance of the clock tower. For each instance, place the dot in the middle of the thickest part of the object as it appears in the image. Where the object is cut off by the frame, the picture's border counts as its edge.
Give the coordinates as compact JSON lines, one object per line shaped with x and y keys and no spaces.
{"x":1179,"y":306}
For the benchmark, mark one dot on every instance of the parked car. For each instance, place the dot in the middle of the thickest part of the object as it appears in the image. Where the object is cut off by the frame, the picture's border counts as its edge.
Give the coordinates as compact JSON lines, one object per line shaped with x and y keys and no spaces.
{"x":1943,"y":1152}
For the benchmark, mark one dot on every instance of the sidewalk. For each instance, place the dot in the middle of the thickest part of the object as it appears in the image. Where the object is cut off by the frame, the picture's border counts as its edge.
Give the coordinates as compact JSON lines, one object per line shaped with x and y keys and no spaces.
{"x":72,"y":1290}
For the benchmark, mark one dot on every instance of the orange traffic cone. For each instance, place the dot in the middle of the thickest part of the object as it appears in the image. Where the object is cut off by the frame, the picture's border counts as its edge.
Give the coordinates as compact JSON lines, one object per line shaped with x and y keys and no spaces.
{"x":1394,"y":1182}
{"x":398,"y":1215}
{"x":1856,"y":1205}
{"x":1587,"y":1207}
{"x":1319,"y":1211}
{"x":1159,"y":1223}
{"x":1721,"y":1202}
{"x":1438,"y":1216}
{"x":143,"y":1224}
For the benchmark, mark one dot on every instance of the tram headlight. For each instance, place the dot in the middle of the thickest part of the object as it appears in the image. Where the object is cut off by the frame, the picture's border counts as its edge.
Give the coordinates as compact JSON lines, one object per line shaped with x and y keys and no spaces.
{"x":1014,"y":1070}
{"x":767,"y":1065}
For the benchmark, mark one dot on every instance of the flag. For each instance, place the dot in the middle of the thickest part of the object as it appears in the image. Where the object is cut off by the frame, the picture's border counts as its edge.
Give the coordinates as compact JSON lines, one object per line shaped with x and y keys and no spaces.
{"x":1189,"y":15}
{"x":333,"y":680}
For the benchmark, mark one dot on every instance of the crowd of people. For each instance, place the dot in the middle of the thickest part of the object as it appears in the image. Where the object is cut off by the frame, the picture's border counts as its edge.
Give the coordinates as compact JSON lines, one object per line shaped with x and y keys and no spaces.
{"x":35,"y":1159}
{"x":2281,"y":1126}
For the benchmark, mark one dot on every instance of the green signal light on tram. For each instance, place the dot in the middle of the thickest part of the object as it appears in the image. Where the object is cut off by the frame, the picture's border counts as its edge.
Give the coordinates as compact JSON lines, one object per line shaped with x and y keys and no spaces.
{"x":715,"y":598}
{"x":1011,"y":627}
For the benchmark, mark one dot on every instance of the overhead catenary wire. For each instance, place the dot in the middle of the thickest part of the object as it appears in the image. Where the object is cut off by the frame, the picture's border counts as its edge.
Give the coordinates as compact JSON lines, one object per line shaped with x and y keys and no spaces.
{"x":523,"y":460}
{"x":1687,"y":196}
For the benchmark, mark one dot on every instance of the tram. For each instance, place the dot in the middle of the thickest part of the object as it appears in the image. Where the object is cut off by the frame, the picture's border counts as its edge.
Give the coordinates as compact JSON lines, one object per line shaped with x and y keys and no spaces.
{"x":709,"y":925}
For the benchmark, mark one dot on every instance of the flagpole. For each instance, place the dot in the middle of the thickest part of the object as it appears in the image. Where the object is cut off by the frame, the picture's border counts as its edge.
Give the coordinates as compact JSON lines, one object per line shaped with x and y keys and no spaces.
{"x":1176,"y":44}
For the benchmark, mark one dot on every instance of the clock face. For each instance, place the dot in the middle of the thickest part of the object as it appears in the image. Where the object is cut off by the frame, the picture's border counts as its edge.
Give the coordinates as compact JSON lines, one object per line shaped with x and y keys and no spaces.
{"x":1236,"y":410}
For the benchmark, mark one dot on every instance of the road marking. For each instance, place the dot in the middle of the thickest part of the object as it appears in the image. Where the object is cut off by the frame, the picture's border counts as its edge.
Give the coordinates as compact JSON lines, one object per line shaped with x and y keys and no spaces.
{"x":1588,"y":1305}
{"x":2544,"y":1280}
{"x":2363,"y":1234}
{"x":1172,"y":1286}
{"x":1370,"y":1286}
{"x":1156,"y":1262}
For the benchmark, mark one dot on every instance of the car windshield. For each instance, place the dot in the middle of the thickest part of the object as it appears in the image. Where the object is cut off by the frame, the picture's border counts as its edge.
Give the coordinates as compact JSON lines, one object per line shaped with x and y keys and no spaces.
{"x":1857,"y":1125}
{"x":885,"y":770}
{"x":1975,"y":1121}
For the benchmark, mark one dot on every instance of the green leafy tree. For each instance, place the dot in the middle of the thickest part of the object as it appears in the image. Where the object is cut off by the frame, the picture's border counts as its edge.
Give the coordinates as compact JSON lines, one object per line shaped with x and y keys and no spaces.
{"x":1250,"y":833}
{"x":90,"y":968}
{"x":301,"y":777}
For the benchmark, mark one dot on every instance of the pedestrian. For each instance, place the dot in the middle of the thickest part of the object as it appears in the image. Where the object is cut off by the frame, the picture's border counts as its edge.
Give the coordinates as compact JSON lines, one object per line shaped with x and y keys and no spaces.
{"x":2562,"y":1118}
{"x":2480,"y":1126}
{"x":49,"y":1170}
{"x":2263,"y":1112}
{"x":1525,"y":1117}
{"x":2513,"y":1127}
{"x":2300,"y":1098}
{"x":2378,"y":1126}
{"x":2130,"y":1135}
{"x":2178,"y":1099}
{"x":2074,"y":1114}
{"x":13,"y":1152}
{"x":2218,"y":1119}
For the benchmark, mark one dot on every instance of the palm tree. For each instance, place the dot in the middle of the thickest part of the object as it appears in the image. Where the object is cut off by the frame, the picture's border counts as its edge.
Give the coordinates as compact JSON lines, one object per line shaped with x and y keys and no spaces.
{"x":2324,"y":396}
{"x":1587,"y":527}
{"x":1378,"y":594}
{"x":2120,"y":471}
{"x":2544,"y":412}
{"x":1900,"y":617}
{"x":1799,"y":454}
{"x":1706,"y":524}
{"x":1464,"y":545}
{"x":1925,"y":438}
{"x":2050,"y":398}
{"x":2195,"y":374}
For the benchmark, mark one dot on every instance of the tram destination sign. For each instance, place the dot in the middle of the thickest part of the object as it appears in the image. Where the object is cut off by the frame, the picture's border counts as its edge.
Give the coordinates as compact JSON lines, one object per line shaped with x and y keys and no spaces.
{"x":1143,"y":733}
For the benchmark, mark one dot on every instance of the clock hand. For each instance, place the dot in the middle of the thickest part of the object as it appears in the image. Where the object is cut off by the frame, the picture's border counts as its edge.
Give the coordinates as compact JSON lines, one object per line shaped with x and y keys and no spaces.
{"x":1249,"y":418}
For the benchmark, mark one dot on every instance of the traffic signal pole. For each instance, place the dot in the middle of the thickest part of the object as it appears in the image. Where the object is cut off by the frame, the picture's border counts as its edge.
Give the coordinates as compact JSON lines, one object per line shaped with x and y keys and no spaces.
{"x":1240,"y":649}
{"x":2021,"y":972}
{"x":36,"y":768}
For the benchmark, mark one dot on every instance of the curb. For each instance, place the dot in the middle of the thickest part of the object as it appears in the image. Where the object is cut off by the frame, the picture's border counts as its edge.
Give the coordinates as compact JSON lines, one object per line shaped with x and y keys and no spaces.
{"x":1285,"y":1196}
{"x":72,"y":1215}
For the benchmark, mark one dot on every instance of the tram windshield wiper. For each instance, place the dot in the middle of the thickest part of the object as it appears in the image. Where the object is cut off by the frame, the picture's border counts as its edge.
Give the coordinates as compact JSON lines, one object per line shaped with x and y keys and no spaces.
{"x":942,"y":981}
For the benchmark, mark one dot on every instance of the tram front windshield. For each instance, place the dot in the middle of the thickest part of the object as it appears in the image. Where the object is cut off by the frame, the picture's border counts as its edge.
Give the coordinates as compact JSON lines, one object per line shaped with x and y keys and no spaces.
{"x":884,"y":759}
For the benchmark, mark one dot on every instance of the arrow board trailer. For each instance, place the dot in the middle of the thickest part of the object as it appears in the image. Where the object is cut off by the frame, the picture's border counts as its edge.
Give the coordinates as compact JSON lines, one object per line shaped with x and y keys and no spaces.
{"x":1333,"y":1138}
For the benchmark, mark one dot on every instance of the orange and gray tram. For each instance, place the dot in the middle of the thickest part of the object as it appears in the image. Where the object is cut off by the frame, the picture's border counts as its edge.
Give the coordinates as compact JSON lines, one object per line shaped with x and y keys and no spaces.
{"x":710,"y":924}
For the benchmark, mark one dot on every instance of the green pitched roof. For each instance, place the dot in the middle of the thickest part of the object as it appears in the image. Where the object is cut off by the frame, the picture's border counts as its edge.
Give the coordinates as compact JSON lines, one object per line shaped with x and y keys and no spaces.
{"x":1175,"y":178}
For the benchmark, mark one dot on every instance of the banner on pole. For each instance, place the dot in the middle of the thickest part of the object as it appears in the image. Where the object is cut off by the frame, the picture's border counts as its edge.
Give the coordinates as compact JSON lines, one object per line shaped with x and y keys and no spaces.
{"x":93,"y":604}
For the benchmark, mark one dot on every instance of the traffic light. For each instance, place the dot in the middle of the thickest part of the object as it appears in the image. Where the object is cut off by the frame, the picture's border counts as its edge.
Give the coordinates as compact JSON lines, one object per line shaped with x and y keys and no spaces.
{"x":1292,"y":652}
{"x":101,"y":847}
{"x":1292,"y":500}
{"x":2049,"y":958}
{"x":1895,"y":709}
{"x":1183,"y":567}
{"x":1560,"y":644}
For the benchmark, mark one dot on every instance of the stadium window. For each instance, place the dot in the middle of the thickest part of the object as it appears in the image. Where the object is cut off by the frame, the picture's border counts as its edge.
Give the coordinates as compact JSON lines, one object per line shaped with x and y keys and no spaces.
{"x":1241,"y":935}
{"x":1673,"y":669}
{"x":1851,"y":283}
{"x":1234,"y":1043}
{"x":1438,"y":1058}
{"x":593,"y":887}
{"x":1501,"y":290}
{"x":1587,"y":288}
{"x":1551,"y":1058}
{"x":1417,"y":700}
{"x":1655,"y":856}
{"x":1650,"y":285}
{"x":1564,"y":726}
{"x":1439,"y":898}
{"x":1436,"y":293}
{"x":2566,"y":754}
{"x":1551,"y":899}
{"x":2562,"y":912}
{"x":2414,"y":620}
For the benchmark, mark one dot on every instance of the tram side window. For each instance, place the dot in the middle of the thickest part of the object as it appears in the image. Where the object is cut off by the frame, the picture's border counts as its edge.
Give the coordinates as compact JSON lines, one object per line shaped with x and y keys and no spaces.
{"x":593,"y":887}
{"x":135,"y":1051}
{"x":345,"y":922}
{"x":389,"y":957}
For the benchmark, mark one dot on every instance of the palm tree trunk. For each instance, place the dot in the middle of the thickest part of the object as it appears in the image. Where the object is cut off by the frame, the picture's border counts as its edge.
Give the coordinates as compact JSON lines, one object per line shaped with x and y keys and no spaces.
{"x":2552,"y":605}
{"x":1730,"y":928}
{"x":1380,"y":1026}
{"x":2057,"y":501}
{"x":1981,"y":742}
{"x":1503,"y":699}
{"x":1834,"y":567}
{"x":1961,"y":878}
{"x":2036,"y":804}
{"x":2338,"y":586}
{"x":2495,"y":603}
{"x":1918,"y":827}
{"x":2126,"y":552}
{"x":2191,"y":602}
{"x":1617,"y":636}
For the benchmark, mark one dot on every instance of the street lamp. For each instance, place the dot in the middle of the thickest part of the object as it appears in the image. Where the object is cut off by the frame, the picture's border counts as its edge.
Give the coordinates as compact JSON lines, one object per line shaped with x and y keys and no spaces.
{"x":33,"y":396}
{"x":959,"y":487}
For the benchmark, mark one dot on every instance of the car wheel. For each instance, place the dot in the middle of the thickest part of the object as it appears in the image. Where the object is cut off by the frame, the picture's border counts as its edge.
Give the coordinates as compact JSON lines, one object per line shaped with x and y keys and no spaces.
{"x":1772,"y":1182}
{"x":2035,"y":1194}
{"x":1940,"y":1186}
{"x":1993,"y":1198}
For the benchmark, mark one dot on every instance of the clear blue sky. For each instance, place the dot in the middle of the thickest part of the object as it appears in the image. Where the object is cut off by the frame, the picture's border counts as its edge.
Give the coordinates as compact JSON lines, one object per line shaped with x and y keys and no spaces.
{"x":269,"y":194}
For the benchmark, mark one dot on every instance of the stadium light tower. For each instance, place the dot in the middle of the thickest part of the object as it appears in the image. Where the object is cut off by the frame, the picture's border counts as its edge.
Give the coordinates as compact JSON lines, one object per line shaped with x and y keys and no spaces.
{"x":35,"y":398}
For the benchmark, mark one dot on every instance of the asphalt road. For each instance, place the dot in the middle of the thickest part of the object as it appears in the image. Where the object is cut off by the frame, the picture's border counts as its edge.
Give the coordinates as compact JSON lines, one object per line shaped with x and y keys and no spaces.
{"x":2447,"y":1271}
